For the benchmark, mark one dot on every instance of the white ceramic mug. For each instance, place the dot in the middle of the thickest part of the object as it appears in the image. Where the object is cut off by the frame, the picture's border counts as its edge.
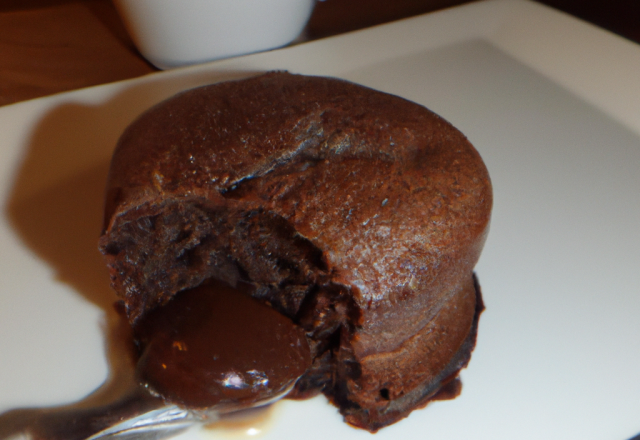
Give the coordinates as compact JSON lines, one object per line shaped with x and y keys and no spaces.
{"x":171,"y":33}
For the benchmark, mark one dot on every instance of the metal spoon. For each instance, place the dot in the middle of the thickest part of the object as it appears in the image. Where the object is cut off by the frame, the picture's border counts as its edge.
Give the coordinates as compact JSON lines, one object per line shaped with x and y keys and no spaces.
{"x":139,"y":415}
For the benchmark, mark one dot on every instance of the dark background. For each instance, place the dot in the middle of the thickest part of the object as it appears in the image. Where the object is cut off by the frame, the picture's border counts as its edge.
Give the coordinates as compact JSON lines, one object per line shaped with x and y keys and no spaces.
{"x":337,"y":16}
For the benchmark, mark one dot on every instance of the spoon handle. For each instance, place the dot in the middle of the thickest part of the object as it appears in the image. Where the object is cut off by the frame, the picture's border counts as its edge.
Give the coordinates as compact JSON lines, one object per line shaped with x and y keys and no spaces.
{"x":138,"y":415}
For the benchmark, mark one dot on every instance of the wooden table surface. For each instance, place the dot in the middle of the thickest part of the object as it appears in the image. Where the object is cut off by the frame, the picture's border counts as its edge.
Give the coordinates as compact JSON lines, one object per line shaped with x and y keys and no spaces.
{"x":51,"y":46}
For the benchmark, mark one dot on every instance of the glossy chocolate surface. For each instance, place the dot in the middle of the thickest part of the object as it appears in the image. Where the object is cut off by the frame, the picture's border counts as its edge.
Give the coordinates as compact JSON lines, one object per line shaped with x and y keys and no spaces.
{"x":215,"y":346}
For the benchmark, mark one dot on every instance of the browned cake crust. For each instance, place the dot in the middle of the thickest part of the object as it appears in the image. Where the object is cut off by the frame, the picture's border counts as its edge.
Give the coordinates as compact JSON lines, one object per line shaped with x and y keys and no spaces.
{"x":358,"y":214}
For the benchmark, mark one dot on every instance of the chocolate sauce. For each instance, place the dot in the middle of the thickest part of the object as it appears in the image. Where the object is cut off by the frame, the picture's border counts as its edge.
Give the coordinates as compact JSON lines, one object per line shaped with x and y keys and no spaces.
{"x":216,"y":347}
{"x":449,"y":391}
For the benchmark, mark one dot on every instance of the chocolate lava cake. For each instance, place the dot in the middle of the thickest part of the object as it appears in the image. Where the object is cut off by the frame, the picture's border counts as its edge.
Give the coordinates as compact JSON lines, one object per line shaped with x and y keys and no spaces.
{"x":356,"y":214}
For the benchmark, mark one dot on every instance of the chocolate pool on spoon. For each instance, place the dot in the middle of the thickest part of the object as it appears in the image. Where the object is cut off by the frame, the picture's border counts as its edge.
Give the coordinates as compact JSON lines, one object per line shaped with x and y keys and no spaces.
{"x":216,"y":348}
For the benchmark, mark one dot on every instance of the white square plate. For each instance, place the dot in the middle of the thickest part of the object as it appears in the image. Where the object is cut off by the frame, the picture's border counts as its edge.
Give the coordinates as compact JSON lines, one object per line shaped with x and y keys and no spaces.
{"x":553,"y":106}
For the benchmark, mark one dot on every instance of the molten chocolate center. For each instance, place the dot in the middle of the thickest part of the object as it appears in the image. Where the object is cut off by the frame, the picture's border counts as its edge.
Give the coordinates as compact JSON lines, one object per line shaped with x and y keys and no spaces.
{"x":215,"y":346}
